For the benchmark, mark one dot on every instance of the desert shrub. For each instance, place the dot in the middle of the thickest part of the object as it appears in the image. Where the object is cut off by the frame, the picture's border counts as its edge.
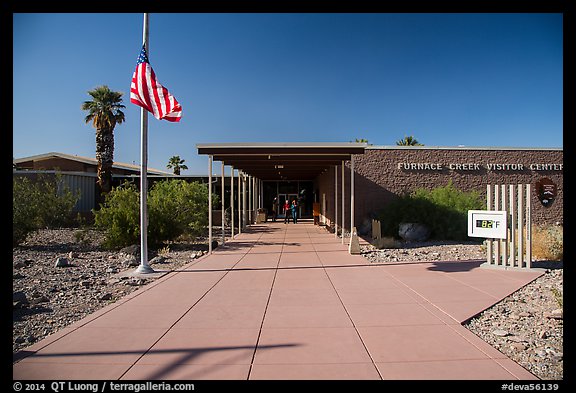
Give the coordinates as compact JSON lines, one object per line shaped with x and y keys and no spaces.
{"x":444,"y":210}
{"x":119,"y":216}
{"x":548,"y":243}
{"x":174,"y":207}
{"x":43,"y":203}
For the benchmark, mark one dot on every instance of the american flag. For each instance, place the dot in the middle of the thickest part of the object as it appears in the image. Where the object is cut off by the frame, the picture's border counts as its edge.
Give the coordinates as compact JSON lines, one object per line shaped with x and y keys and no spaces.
{"x":148,"y":93}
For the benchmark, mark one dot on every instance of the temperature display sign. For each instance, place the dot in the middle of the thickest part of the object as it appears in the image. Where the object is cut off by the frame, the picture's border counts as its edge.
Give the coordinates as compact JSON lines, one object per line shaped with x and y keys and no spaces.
{"x":490,"y":224}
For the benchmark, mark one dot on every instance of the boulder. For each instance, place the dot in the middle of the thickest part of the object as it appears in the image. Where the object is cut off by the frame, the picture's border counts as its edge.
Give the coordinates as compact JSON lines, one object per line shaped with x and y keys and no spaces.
{"x":130,"y":262}
{"x":413,"y":232}
{"x":19,"y":299}
{"x":158,"y":259}
{"x":62,"y":262}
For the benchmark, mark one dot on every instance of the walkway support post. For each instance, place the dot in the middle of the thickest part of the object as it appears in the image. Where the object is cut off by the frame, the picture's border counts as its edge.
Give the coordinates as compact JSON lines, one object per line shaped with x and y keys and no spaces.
{"x":351,"y":193}
{"x":335,"y":200}
{"x":239,"y":202}
{"x":250,"y":200}
{"x":232,"y":202}
{"x":223,"y":212}
{"x":354,"y":246}
{"x":244,"y":212}
{"x":343,"y":204}
{"x":209,"y":205}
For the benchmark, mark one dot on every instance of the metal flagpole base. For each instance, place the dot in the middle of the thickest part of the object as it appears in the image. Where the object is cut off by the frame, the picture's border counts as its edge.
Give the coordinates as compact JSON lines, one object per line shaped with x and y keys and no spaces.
{"x":144,"y":269}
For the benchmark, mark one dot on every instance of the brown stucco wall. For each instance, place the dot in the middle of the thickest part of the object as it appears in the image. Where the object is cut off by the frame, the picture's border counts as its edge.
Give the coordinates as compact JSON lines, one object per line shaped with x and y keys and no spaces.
{"x":378,"y":177}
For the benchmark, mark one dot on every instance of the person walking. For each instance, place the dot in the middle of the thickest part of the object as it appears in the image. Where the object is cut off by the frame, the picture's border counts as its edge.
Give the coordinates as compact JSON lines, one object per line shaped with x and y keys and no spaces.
{"x":294,"y":210}
{"x":274,"y":209}
{"x":287,"y":210}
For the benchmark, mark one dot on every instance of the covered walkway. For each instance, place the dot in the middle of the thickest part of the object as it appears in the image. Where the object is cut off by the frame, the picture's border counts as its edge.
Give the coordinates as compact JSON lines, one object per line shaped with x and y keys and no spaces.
{"x":285,"y":301}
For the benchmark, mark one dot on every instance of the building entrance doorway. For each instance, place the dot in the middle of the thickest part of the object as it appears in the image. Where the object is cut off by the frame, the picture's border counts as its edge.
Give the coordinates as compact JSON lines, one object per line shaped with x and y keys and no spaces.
{"x":288,"y":190}
{"x":290,"y":197}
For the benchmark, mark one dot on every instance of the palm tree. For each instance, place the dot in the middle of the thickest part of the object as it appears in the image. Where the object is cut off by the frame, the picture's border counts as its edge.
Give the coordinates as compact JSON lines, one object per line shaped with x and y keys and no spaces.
{"x":176,"y":164}
{"x":104,"y":111}
{"x":408,"y":141}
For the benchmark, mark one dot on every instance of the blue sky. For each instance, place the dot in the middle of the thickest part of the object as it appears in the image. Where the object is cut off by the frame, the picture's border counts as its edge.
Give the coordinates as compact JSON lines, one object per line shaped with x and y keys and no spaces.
{"x":470,"y":79}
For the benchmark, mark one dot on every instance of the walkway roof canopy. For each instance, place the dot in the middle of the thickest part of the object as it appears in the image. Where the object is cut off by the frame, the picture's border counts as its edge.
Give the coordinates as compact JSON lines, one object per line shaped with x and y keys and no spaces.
{"x":282,"y":161}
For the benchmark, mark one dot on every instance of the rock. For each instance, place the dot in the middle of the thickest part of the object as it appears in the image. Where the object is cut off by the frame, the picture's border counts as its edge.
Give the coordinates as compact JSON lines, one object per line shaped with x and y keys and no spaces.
{"x":555,"y":314}
{"x":158,"y":259}
{"x":517,"y":346}
{"x":130,"y":262}
{"x":557,"y":356}
{"x":133,"y":250}
{"x":62,"y":262}
{"x":19,"y":264}
{"x":19,"y":299}
{"x":105,"y":296}
{"x":135,"y":281}
{"x":39,"y":300}
{"x":413,"y":231}
{"x":500,"y":333}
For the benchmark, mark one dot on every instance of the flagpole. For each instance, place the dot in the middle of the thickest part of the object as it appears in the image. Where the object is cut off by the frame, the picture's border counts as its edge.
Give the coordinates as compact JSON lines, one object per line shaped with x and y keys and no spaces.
{"x":144,"y":266}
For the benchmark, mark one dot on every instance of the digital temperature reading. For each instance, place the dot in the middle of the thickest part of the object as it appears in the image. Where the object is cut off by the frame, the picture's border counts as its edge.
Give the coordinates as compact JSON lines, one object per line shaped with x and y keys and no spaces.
{"x":486,"y":223}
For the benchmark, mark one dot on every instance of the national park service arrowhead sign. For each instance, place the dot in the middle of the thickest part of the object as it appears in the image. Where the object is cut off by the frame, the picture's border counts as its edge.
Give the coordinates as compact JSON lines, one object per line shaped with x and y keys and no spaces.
{"x":546,"y":191}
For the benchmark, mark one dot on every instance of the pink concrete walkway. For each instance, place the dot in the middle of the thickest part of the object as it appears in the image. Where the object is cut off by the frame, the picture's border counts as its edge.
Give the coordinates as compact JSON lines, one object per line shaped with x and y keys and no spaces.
{"x":285,"y":301}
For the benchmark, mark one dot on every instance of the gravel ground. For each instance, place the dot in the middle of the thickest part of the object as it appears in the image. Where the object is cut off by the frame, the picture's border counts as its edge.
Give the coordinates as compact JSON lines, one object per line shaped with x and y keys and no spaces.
{"x":527,"y":326}
{"x":47,"y":298}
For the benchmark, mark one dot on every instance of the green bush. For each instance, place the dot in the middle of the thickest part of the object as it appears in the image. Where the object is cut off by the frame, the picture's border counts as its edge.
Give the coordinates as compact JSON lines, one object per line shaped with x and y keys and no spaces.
{"x":119,"y":216}
{"x":444,"y":210}
{"x":43,"y":203}
{"x":174,"y":208}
